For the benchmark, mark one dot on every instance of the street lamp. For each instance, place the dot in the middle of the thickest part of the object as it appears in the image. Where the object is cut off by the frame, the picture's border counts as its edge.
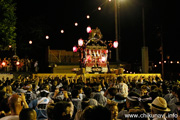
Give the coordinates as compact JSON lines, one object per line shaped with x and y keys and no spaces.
{"x":30,"y":42}
{"x":47,"y":37}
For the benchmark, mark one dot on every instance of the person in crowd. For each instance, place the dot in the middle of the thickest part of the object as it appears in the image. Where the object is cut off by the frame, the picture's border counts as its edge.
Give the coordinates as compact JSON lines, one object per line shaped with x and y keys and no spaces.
{"x":145,"y":100}
{"x":85,"y":103}
{"x":96,"y":113}
{"x":88,"y":95}
{"x":159,"y":108}
{"x":132,"y":102}
{"x":155,"y":93}
{"x":144,"y":90}
{"x":98,"y":95}
{"x":40,"y":104}
{"x":113,"y":107}
{"x":62,"y":111}
{"x":121,"y":102}
{"x":4,"y":107}
{"x":173,"y":97}
{"x":50,"y":111}
{"x":80,"y":91}
{"x":122,"y":87}
{"x":76,"y":101}
{"x":16,"y":104}
{"x":29,"y":94}
{"x":27,"y":114}
{"x":111,"y":92}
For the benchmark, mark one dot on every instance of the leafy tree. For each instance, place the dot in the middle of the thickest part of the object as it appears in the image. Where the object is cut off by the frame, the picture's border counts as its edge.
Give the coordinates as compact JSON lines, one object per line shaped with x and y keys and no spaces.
{"x":7,"y":24}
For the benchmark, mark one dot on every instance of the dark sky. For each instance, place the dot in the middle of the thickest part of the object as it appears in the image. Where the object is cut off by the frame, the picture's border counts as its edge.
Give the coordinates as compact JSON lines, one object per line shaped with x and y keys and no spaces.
{"x":57,"y":15}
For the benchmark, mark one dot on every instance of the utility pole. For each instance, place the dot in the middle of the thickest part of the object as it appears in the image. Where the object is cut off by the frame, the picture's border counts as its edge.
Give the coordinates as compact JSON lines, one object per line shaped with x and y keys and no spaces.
{"x":116,"y":28}
{"x":145,"y":56}
{"x":162,"y":53}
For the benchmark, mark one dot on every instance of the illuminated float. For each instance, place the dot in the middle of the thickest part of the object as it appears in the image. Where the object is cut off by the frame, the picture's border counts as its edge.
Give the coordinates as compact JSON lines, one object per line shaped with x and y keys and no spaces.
{"x":94,"y":52}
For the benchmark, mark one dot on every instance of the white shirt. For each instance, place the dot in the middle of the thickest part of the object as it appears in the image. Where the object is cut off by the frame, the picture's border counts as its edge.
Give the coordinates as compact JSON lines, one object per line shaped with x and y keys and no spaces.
{"x":122,"y":89}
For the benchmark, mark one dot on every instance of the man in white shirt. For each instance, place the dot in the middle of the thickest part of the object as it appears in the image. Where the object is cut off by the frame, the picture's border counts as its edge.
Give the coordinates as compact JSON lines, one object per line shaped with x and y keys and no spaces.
{"x":122,"y":87}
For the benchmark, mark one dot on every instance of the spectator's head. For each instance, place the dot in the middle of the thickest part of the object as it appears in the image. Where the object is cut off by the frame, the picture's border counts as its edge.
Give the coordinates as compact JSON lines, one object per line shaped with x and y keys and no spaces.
{"x":132,"y":100}
{"x":120,"y":79}
{"x":29,"y":87}
{"x":45,"y":87}
{"x":79,"y":88}
{"x":113,"y":107}
{"x":27,"y":114}
{"x":111,"y":93}
{"x":159,"y":106}
{"x":155,"y":93}
{"x":96,"y":113}
{"x":15,"y":104}
{"x":88,"y":102}
{"x":97,"y":87}
{"x":55,"y":82}
{"x":87,"y":91}
{"x":44,"y":93}
{"x":62,"y":111}
{"x":75,"y":93}
{"x":153,"y":87}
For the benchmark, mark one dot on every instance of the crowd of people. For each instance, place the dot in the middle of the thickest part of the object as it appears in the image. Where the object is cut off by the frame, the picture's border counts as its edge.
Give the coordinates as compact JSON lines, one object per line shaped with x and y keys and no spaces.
{"x":94,"y":98}
{"x":17,"y":64}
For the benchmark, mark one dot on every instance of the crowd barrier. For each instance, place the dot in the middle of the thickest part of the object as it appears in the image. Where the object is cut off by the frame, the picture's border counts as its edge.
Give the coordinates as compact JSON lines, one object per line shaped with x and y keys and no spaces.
{"x":146,"y":75}
{"x":10,"y":76}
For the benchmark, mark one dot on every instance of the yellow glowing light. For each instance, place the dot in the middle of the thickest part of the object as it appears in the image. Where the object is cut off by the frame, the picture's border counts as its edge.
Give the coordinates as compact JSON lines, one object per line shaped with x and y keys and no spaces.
{"x":99,"y":8}
{"x":177,"y":62}
{"x":109,"y":0}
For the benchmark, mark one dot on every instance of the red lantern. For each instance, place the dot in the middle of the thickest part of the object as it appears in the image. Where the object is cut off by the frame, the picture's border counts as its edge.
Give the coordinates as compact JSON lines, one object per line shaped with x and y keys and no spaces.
{"x":74,"y":49}
{"x":103,"y":59}
{"x":115,"y":44}
{"x":80,"y":42}
{"x":88,"y":29}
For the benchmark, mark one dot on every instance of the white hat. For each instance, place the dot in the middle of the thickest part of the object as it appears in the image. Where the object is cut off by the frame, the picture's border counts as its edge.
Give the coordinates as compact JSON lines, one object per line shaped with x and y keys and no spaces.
{"x":159,"y":103}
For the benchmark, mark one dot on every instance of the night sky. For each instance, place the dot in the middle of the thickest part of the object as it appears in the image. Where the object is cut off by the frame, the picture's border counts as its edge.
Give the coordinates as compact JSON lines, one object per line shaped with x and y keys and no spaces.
{"x":52,"y":16}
